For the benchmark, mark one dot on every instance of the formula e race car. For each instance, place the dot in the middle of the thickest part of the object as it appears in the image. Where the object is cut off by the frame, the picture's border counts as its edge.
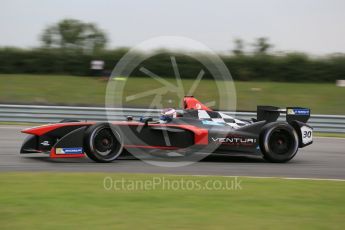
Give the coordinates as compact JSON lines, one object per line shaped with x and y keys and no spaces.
{"x":196,"y":129}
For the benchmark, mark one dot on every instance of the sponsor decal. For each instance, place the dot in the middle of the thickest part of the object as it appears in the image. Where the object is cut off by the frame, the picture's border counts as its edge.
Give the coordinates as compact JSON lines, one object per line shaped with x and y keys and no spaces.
{"x":298,"y":112}
{"x":206,"y":122}
{"x":290,"y":112}
{"x":76,"y":150}
{"x":234,"y":140}
{"x":45,"y":143}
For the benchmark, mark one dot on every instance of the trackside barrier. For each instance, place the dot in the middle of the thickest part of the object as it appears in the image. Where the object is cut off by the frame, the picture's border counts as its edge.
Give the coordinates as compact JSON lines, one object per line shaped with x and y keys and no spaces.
{"x":51,"y":114}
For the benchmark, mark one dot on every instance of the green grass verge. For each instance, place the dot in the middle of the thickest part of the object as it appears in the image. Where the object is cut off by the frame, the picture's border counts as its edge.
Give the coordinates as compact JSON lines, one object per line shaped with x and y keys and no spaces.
{"x":338,"y":135}
{"x":79,"y":200}
{"x":19,"y":123}
{"x":71,"y":90}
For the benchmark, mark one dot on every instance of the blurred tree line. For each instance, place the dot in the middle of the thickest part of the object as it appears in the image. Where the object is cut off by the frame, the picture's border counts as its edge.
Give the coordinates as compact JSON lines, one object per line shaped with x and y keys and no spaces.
{"x":70,"y":45}
{"x":71,"y":34}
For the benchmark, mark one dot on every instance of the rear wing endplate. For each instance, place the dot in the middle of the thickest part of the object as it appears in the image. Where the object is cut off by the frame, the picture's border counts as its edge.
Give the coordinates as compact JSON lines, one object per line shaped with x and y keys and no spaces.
{"x":271,"y":113}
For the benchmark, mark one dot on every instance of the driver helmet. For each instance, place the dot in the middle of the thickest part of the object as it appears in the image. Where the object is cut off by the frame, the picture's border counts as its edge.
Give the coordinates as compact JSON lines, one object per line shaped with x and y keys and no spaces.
{"x":167,"y":115}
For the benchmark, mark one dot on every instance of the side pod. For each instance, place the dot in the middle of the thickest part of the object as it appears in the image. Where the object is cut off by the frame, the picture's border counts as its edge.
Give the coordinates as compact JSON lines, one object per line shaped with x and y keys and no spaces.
{"x":70,"y":145}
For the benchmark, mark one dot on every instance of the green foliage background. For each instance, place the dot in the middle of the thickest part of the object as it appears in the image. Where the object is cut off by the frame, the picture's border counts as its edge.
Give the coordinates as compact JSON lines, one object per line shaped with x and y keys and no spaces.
{"x":286,"y":67}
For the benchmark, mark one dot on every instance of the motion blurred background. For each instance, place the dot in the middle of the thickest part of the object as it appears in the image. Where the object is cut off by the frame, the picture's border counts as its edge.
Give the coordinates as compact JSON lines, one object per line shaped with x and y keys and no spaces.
{"x":283,"y":53}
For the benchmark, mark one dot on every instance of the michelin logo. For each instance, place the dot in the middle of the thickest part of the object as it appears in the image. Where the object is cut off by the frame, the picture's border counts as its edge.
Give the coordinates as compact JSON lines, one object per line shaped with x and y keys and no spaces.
{"x":298,"y":112}
{"x":69,"y":150}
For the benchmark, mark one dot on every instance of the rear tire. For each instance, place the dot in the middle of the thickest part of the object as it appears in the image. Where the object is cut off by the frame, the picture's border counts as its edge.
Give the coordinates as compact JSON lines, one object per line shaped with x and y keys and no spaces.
{"x":279,"y":142}
{"x":102,"y":143}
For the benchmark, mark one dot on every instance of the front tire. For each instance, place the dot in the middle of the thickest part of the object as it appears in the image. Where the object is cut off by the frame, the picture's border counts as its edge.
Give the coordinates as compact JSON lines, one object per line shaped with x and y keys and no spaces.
{"x":102,"y":143}
{"x":279,"y":142}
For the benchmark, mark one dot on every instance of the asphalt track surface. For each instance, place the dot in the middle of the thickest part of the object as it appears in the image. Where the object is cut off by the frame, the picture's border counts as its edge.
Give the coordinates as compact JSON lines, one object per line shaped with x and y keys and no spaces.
{"x":325,"y":158}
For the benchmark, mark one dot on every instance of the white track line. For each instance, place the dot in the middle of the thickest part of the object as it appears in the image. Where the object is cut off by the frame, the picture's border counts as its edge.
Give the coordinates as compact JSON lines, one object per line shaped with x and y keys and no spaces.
{"x":337,"y":138}
{"x":16,"y":127}
{"x":267,"y":177}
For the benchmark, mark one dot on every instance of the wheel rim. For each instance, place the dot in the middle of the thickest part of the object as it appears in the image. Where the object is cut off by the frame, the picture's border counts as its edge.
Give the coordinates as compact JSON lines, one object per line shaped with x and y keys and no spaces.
{"x":104,"y":142}
{"x":280,"y":142}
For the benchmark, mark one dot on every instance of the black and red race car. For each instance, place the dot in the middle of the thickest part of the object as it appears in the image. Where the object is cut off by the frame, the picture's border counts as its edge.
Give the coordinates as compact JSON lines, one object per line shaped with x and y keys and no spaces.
{"x":196,"y":129}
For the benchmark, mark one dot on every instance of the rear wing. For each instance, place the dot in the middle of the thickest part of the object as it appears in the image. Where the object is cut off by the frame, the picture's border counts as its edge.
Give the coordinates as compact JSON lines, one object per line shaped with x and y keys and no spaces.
{"x":271,"y":113}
